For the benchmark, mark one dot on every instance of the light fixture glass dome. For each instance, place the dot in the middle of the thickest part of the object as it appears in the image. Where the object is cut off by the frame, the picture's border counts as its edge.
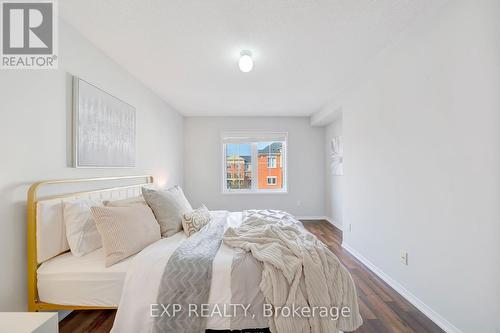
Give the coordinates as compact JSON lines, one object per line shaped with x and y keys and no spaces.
{"x":246,"y":62}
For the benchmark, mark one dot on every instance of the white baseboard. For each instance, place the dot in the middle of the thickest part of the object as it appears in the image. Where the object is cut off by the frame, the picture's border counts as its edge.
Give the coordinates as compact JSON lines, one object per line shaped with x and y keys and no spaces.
{"x":335,"y":223}
{"x":326,"y":218}
{"x":310,"y":217}
{"x":424,"y":308}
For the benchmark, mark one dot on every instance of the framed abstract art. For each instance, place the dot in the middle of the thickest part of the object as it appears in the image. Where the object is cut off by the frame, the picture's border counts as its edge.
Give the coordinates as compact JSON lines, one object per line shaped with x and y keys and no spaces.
{"x":103,"y":128}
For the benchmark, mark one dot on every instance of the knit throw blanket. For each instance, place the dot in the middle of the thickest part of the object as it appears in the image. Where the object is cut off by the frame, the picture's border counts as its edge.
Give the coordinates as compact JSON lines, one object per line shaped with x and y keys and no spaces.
{"x":307,"y":287}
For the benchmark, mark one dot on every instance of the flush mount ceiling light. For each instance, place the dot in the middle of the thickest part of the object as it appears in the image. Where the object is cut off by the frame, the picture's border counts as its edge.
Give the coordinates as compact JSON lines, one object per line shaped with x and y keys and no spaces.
{"x":246,"y":62}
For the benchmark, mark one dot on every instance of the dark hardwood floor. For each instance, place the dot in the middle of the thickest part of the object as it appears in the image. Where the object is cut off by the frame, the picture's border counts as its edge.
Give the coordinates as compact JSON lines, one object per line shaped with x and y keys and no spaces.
{"x":383,"y":309}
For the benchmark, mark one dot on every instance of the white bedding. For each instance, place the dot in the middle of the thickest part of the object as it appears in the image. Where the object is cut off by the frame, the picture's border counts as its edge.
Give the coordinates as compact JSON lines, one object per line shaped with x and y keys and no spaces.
{"x":70,"y":280}
{"x":147,"y":268}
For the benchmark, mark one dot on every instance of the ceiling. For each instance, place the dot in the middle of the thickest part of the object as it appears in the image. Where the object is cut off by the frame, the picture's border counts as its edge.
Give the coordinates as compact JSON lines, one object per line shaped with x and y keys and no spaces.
{"x":305,"y":51}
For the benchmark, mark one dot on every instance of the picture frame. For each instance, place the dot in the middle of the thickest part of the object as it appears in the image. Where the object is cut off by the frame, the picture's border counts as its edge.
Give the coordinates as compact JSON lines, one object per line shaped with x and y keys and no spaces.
{"x":104,"y":128}
{"x":337,"y":156}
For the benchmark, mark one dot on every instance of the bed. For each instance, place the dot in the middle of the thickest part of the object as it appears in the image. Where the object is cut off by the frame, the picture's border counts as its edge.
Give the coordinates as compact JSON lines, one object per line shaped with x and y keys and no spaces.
{"x":59,"y":280}
{"x":53,"y":273}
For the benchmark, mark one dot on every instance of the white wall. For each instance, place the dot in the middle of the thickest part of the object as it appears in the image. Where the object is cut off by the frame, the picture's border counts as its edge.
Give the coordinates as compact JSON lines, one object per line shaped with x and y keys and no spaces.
{"x":203,"y":165}
{"x":422,"y":163}
{"x":35,"y":108}
{"x":333,"y":183}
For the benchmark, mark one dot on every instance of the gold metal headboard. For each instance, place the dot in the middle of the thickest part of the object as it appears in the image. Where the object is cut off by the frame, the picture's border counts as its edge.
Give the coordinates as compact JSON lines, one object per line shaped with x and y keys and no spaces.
{"x":33,"y":303}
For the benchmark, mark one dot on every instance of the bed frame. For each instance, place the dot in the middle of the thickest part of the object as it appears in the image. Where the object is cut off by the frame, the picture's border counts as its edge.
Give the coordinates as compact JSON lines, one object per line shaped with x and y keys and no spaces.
{"x":34,"y":304}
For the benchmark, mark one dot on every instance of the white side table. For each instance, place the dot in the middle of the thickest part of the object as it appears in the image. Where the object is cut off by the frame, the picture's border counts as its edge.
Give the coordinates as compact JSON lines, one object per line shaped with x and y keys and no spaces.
{"x":29,"y":322}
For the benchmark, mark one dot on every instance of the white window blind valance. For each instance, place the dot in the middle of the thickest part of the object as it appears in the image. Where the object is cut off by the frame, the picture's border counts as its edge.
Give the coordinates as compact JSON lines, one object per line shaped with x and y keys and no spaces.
{"x":246,"y":137}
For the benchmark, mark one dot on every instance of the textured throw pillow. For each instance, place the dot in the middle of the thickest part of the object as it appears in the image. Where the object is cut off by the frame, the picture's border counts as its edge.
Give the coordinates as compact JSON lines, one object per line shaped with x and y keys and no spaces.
{"x":126,"y":202}
{"x":168,"y":207}
{"x":195,"y":220}
{"x":125,"y":230}
{"x":81,"y":230}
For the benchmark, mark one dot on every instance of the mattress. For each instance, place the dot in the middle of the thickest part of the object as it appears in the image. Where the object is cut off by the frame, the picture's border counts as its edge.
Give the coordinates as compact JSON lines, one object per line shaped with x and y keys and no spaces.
{"x":70,"y":280}
{"x":85,"y":281}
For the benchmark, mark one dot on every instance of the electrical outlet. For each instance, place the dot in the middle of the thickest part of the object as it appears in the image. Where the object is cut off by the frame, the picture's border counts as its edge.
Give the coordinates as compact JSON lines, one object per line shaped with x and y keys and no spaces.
{"x":350,"y":227}
{"x":299,"y":203}
{"x":403,"y":257}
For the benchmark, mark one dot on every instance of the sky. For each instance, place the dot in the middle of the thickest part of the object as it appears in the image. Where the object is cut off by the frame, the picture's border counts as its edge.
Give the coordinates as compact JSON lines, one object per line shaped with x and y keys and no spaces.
{"x":243,"y":149}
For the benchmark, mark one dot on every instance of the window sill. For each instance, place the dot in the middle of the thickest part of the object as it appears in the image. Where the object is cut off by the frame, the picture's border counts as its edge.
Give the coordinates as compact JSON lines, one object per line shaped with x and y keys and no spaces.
{"x":253,"y":192}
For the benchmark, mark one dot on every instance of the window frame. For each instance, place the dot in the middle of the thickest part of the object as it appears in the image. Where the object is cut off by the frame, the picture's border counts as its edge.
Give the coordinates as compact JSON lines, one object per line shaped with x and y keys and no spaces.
{"x":254,"y":161}
{"x":272,"y":158}
{"x":272,"y":177}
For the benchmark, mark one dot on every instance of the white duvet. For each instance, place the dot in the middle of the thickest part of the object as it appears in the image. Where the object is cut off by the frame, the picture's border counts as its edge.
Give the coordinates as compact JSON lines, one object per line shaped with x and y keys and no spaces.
{"x":146,"y":269}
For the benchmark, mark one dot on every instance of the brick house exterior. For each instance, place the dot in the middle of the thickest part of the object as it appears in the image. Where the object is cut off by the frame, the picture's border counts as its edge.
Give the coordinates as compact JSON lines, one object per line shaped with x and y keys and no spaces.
{"x":270,"y":165}
{"x":239,"y":172}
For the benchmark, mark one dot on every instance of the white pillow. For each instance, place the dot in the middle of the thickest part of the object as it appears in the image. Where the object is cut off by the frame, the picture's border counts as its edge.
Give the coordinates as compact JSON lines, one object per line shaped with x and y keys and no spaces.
{"x":125,"y":230}
{"x":168,"y":207}
{"x":195,"y":220}
{"x":81,"y":230}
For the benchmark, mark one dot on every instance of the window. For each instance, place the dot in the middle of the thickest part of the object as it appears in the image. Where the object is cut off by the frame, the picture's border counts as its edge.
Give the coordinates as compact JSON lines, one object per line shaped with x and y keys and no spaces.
{"x":254,"y":162}
{"x":271,"y":161}
{"x":272,"y":180}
